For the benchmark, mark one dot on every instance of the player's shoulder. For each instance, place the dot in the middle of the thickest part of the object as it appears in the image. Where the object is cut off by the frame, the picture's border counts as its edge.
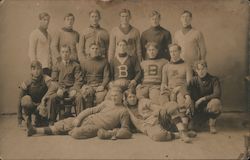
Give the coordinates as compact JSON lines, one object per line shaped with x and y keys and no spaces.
{"x":46,"y":78}
{"x":25,"y":84}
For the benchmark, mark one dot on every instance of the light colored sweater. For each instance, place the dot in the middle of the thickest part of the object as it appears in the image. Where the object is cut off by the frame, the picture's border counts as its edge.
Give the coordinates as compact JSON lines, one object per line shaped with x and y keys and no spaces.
{"x":62,"y":37}
{"x":132,"y":37}
{"x":192,"y":44}
{"x":39,"y":48}
{"x":90,"y":35}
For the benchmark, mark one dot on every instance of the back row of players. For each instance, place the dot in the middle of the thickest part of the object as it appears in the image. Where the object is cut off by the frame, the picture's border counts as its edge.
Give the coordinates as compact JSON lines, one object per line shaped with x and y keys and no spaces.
{"x":162,"y":85}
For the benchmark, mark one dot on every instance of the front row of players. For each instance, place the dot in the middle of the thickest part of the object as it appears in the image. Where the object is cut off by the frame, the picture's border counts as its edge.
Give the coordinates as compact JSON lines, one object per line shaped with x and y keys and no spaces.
{"x":162,"y":99}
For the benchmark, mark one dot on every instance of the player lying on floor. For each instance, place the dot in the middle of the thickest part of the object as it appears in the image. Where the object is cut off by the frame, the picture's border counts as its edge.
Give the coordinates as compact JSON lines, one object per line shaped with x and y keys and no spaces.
{"x":104,"y":120}
{"x":152,"y":71}
{"x":205,"y":91}
{"x":146,"y":117}
{"x":33,"y":96}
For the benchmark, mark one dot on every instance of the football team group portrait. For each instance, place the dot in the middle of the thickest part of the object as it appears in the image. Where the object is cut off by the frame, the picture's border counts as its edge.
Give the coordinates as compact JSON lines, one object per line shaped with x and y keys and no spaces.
{"x":111,"y":84}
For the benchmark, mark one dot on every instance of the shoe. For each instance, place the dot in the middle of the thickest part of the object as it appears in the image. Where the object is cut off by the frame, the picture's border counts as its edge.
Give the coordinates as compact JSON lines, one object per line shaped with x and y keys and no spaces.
{"x":191,"y":134}
{"x":212,"y":126}
{"x":30,"y":130}
{"x":184,"y":137}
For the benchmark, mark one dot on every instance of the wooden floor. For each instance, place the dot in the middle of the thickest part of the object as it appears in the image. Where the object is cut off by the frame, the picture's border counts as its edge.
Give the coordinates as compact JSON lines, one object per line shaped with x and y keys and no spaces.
{"x":227,"y":144}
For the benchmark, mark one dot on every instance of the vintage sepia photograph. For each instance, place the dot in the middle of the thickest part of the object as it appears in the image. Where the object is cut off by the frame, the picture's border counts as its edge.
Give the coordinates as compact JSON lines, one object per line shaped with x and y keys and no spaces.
{"x":124,"y":79}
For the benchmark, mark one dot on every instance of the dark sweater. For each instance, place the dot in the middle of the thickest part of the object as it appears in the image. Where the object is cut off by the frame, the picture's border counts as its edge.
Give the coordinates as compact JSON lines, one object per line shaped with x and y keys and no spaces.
{"x":208,"y":87}
{"x":159,"y":35}
{"x":130,"y":70}
{"x":96,"y":71}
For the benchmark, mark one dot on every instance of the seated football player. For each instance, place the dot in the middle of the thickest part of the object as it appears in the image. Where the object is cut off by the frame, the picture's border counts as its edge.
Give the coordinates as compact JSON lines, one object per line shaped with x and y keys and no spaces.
{"x":96,"y":74}
{"x":175,"y":77}
{"x":109,"y":119}
{"x":33,"y":96}
{"x":151,"y":75}
{"x":205,"y":91}
{"x":69,"y":77}
{"x":125,"y":70}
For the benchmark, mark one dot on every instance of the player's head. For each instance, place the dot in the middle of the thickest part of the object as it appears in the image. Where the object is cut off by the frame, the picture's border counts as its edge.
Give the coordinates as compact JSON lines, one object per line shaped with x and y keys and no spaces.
{"x":175,"y":52}
{"x":122,"y":46}
{"x":65,"y":52}
{"x":94,"y":17}
{"x":94,"y":50}
{"x":116,"y":95}
{"x":36,"y":68}
{"x":200,"y":67}
{"x":125,"y":16}
{"x":44,"y":19}
{"x":186,"y":18}
{"x":69,"y":20}
{"x":130,"y":97}
{"x":155,"y":18}
{"x":152,"y":50}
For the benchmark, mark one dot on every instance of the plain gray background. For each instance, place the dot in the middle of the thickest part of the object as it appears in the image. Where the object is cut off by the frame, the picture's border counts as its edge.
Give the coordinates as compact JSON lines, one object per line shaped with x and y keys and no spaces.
{"x":224,"y":24}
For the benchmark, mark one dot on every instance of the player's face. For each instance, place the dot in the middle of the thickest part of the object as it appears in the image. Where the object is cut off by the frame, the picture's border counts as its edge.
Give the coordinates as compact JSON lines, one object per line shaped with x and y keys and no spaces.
{"x":69,"y":21}
{"x":94,"y":51}
{"x":122,"y":47}
{"x":132,"y":99}
{"x":65,"y":53}
{"x":186,"y":20}
{"x":94,"y":18}
{"x":175,"y":53}
{"x":201,"y":70}
{"x":116,"y":97}
{"x":125,"y":18}
{"x":152,"y":52}
{"x":155,"y":21}
{"x":36,"y":71}
{"x":44,"y":22}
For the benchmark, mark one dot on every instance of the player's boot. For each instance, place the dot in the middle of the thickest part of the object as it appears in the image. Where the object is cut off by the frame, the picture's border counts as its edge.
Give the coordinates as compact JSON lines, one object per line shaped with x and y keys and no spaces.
{"x":105,"y":134}
{"x":212,"y":126}
{"x":30,"y":129}
{"x":184,"y":137}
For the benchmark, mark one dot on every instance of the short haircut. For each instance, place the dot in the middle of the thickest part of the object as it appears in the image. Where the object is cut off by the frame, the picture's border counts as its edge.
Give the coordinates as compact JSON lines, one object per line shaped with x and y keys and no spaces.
{"x":200,"y":62}
{"x":36,"y":64}
{"x":65,"y":46}
{"x":128,"y":92}
{"x":125,"y":11}
{"x":94,"y":43}
{"x":123,"y":40}
{"x":175,"y":44}
{"x":154,"y":13}
{"x":188,"y":12}
{"x":116,"y":89}
{"x":95,"y":11}
{"x":42,"y":15}
{"x":69,"y":15}
{"x":151,"y":43}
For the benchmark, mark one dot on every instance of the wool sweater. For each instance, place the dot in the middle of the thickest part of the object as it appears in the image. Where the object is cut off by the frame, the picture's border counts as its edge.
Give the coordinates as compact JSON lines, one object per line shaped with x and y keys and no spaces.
{"x":93,"y":35}
{"x":132,"y":37}
{"x":208,"y":87}
{"x":39,"y":48}
{"x":152,"y":71}
{"x":65,"y":36}
{"x":129,"y":70}
{"x":159,"y":35}
{"x":192,"y":44}
{"x":176,"y":74}
{"x":96,"y":71}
